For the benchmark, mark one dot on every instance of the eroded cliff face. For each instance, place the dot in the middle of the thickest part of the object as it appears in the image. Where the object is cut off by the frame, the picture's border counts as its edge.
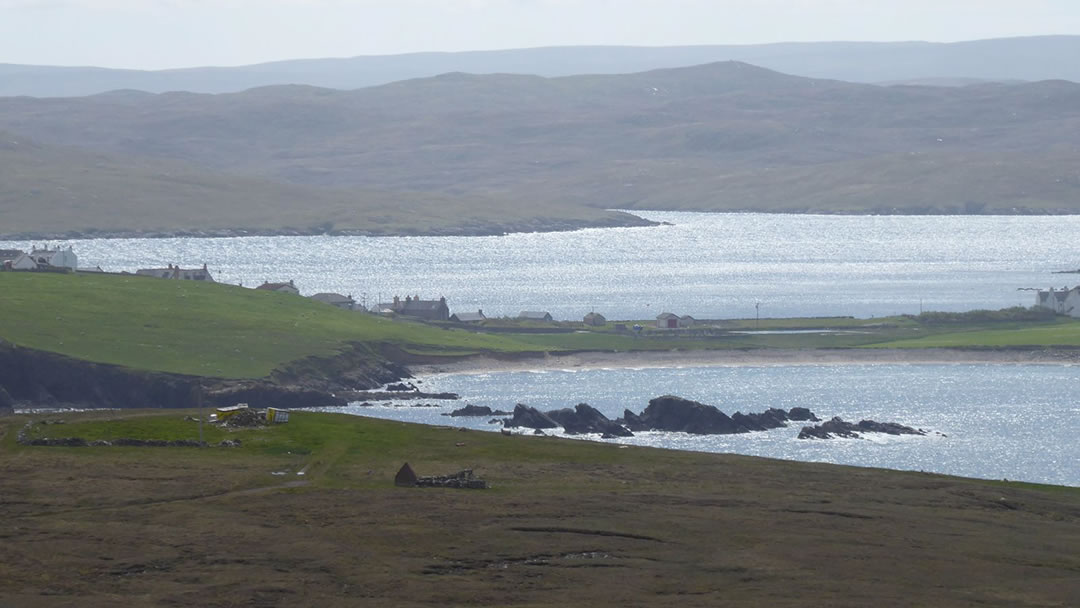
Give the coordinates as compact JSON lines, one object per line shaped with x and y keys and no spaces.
{"x":33,"y":378}
{"x":36,"y":378}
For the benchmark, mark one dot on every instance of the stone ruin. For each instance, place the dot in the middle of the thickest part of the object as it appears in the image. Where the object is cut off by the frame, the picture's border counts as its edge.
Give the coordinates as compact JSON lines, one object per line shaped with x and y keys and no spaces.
{"x":464,"y":480}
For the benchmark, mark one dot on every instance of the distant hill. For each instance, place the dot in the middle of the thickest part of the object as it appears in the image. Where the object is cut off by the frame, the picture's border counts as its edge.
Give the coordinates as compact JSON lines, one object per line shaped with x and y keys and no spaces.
{"x":52,"y":191}
{"x":722,"y":136}
{"x":1003,"y":59}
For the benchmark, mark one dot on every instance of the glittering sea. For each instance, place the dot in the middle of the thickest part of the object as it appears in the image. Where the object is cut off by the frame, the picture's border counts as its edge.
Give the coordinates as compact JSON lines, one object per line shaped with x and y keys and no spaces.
{"x":704,"y":265}
{"x":992,"y":421}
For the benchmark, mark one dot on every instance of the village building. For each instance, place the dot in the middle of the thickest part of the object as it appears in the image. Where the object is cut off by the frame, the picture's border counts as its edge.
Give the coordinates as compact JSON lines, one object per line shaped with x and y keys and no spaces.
{"x":1058,"y":300}
{"x":55,"y":258}
{"x":687,"y":321}
{"x":23,"y":262}
{"x":667,"y":320}
{"x":595,"y":319}
{"x":289,"y":287}
{"x":7,"y":256}
{"x":534,"y":315}
{"x":429,"y":310}
{"x":468,"y":317}
{"x":175,"y":272}
{"x":336,"y":299}
{"x":39,"y":259}
{"x":1071,"y":306}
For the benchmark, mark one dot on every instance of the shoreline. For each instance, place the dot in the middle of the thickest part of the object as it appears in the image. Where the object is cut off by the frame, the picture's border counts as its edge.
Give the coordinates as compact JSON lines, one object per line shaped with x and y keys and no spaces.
{"x":592,"y":360}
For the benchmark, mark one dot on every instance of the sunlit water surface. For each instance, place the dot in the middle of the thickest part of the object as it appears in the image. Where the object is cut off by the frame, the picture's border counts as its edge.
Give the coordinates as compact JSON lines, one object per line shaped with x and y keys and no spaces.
{"x":705,"y":265}
{"x":1018,"y":422}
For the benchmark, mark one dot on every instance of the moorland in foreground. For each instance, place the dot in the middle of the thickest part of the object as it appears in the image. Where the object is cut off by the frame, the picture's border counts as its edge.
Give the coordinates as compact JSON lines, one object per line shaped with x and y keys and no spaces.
{"x":565,"y":522}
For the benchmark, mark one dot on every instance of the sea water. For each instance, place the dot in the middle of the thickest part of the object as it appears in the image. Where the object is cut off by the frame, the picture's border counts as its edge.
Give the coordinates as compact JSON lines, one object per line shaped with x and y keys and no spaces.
{"x":992,"y":421}
{"x":703,"y":265}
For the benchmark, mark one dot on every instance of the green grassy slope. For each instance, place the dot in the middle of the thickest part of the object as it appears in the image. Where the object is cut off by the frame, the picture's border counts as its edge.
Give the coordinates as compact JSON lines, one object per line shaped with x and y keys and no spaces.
{"x":196,"y":328}
{"x":226,"y":331}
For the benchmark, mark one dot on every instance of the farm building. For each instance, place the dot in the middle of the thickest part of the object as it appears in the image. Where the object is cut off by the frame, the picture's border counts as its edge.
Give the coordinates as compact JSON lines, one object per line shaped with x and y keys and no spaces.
{"x":177,"y":273}
{"x":468,"y":317}
{"x":534,"y":315}
{"x":595,"y":319}
{"x":288,"y":287}
{"x":336,"y":299}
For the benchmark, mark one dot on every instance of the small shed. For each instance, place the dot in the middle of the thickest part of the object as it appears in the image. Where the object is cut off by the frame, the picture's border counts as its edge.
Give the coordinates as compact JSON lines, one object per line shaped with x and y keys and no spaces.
{"x":595,"y":319}
{"x":667,"y":320}
{"x":276,"y":416}
{"x":405,"y":477}
{"x":687,"y":321}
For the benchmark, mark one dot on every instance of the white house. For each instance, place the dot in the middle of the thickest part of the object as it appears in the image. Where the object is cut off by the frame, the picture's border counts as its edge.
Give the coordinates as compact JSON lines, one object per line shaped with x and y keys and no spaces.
{"x":1062,"y":301}
{"x":1071,"y":306}
{"x":42,"y":258}
{"x":57,"y":258}
{"x":24,"y":262}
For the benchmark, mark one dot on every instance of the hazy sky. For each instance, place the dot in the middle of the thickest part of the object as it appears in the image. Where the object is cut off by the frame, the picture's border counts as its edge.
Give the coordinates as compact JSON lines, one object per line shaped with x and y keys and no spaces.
{"x":153,"y":34}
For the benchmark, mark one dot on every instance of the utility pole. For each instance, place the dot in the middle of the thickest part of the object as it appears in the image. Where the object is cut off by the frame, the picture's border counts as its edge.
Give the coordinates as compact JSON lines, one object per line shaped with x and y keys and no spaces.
{"x":202,"y":412}
{"x":757,"y":315}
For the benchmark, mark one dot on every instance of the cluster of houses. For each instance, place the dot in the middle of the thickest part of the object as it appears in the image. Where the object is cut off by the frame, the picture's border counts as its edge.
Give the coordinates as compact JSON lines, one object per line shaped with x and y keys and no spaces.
{"x":1064,"y":301}
{"x":42,"y":258}
{"x":64,"y":260}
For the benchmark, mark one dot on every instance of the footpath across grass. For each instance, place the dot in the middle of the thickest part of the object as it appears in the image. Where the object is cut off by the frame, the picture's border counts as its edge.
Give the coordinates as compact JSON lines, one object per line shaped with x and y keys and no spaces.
{"x":566,"y":522}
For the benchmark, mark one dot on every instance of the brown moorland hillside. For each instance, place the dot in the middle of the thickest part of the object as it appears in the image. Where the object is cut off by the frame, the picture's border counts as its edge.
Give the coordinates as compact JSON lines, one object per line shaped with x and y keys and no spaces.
{"x":718,"y":137}
{"x":57,"y":191}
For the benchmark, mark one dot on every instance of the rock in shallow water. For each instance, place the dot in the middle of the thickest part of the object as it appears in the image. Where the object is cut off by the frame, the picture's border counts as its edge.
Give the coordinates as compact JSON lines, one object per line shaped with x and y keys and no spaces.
{"x":840,"y":428}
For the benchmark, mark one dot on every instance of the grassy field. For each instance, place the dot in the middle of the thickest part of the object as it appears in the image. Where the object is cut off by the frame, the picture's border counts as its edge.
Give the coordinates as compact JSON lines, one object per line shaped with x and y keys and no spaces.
{"x":197,"y":328}
{"x":565,"y":523}
{"x":226,"y":331}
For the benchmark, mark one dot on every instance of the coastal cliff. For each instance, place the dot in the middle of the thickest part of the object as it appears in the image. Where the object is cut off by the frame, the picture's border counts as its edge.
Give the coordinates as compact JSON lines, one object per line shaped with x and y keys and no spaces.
{"x":34,"y":378}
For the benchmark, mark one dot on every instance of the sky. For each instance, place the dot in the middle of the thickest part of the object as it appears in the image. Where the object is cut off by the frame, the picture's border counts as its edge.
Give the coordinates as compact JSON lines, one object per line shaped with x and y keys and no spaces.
{"x":159,"y":34}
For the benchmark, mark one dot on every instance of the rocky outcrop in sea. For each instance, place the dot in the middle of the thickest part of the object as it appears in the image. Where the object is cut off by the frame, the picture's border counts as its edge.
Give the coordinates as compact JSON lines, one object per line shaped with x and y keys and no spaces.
{"x":666,"y":413}
{"x":840,"y":428}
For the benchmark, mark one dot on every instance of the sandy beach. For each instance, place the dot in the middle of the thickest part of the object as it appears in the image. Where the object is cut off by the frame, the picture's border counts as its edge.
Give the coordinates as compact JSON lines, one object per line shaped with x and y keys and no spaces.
{"x":754,"y":357}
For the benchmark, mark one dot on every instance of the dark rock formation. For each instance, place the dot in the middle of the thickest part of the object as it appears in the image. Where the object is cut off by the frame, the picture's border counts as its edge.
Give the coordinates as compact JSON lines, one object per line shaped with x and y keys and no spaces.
{"x":670,"y":413}
{"x":633,"y":422}
{"x":839,"y":428}
{"x":472,"y":410}
{"x":530,"y":417}
{"x":264,"y":395}
{"x":400,"y":387}
{"x":800,"y":414}
{"x":587,"y":419}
